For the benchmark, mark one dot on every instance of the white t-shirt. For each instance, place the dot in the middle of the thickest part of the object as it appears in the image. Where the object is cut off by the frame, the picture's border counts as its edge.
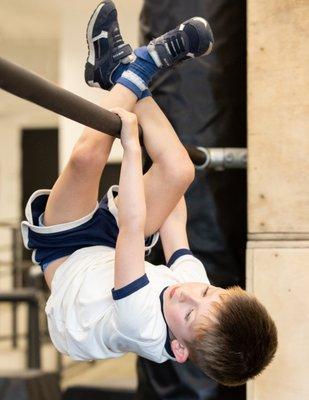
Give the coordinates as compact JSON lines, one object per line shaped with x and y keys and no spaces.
{"x":87,"y":321}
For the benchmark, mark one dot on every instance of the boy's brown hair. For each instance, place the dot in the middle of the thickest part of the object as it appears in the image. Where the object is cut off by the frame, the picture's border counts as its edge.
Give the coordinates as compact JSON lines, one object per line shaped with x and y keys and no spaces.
{"x":237,"y":341}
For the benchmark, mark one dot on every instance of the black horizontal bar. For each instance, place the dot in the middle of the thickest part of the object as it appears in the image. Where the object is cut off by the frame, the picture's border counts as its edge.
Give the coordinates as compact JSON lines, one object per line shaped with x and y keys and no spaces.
{"x":30,"y":86}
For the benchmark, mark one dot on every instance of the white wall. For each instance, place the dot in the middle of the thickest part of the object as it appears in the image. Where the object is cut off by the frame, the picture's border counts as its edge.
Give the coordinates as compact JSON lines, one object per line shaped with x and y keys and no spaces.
{"x":51,"y":42}
{"x":48,"y":38}
{"x":40,"y":56}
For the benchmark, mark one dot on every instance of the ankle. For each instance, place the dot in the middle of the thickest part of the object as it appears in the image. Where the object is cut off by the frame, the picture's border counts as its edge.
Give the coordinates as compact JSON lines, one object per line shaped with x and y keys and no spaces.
{"x":139,"y":73}
{"x":146,"y":93}
{"x":143,"y":53}
{"x":143,"y":65}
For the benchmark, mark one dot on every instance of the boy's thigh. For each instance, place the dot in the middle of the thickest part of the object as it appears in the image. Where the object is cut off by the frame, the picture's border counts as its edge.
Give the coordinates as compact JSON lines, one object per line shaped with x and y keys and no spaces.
{"x":75,"y":193}
{"x":162,"y":195}
{"x":73,"y":196}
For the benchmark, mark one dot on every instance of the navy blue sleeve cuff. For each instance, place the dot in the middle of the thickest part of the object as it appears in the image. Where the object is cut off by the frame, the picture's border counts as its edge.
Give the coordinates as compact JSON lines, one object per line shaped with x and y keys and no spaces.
{"x":38,"y":207}
{"x":176,"y":255}
{"x":149,"y":240}
{"x":130,"y":288}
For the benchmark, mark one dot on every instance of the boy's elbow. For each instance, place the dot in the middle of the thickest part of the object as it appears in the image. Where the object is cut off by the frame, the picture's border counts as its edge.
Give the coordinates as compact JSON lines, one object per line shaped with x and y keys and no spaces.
{"x":183,"y":173}
{"x":190,"y":173}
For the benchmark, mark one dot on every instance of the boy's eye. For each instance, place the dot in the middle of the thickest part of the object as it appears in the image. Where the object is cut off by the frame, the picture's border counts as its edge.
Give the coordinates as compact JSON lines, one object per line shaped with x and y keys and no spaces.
{"x":205,"y":291}
{"x":188,"y":315}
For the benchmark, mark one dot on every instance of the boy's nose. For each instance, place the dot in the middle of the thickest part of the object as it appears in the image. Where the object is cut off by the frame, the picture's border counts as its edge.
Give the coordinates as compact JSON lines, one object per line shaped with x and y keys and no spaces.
{"x":188,"y":297}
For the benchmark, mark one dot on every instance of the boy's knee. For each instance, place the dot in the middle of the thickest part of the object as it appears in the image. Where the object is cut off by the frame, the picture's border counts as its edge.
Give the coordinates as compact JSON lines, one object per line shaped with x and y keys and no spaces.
{"x":181,"y":171}
{"x":188,"y":171}
{"x":86,"y":155}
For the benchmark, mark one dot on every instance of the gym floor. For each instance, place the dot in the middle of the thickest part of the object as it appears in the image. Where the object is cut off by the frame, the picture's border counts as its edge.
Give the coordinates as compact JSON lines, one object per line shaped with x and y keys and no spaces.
{"x":116,"y":373}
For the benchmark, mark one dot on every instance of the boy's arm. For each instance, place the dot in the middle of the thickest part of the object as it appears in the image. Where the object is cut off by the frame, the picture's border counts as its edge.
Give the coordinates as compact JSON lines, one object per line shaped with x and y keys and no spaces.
{"x":173,"y":232}
{"x":174,"y":237}
{"x":130,"y":247}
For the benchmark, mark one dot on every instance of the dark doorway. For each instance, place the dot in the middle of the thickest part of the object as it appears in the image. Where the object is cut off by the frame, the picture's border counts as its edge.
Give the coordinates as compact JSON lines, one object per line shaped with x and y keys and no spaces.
{"x":40,"y":164}
{"x":110,"y":177}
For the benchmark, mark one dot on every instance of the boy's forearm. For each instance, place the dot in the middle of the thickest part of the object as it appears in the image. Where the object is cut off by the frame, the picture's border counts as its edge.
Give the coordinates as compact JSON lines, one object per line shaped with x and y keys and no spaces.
{"x":173,"y":231}
{"x":179,"y":213}
{"x":131,"y":198}
{"x":129,"y":257}
{"x":130,"y":246}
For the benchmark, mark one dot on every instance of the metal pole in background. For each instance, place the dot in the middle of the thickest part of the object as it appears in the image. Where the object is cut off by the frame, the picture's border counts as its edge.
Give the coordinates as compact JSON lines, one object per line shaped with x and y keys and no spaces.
{"x":222,"y":158}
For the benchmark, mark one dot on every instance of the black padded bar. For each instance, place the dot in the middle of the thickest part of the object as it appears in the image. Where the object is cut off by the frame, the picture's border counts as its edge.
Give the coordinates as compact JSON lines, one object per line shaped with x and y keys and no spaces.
{"x":29,"y":86}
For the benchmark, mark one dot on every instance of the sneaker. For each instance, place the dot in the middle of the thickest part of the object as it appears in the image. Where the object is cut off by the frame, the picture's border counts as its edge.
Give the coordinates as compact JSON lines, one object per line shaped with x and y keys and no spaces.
{"x":106,"y":48}
{"x":192,"y":38}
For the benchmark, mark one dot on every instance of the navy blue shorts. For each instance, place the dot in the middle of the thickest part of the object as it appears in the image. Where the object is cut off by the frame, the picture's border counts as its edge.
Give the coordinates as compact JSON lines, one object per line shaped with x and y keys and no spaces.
{"x":99,"y":228}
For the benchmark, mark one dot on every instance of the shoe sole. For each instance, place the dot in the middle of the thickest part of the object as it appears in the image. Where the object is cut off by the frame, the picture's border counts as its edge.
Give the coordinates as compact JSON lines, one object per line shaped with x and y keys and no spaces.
{"x":93,"y":18}
{"x":89,"y":70}
{"x":207,"y":26}
{"x":155,"y":56}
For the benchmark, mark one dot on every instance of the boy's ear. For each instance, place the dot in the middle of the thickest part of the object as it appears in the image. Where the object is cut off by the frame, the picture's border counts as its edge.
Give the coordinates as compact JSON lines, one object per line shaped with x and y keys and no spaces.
{"x":180,"y":351}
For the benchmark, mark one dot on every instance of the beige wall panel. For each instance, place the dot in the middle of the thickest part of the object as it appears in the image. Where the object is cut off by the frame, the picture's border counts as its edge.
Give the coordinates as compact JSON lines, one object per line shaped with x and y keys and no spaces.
{"x":278,"y":116}
{"x":16,"y":114}
{"x":279,"y":277}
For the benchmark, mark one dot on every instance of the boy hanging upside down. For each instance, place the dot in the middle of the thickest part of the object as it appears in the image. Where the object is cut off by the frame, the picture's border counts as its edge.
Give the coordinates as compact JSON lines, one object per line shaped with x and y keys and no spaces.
{"x":105,"y":299}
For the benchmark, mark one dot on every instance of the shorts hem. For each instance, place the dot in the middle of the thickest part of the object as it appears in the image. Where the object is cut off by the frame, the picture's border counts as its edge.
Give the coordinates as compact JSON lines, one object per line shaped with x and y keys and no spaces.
{"x":61,"y":227}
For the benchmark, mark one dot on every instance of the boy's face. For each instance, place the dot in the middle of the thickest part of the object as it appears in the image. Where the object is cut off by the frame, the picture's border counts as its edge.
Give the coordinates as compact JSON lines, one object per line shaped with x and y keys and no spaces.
{"x":185,"y":304}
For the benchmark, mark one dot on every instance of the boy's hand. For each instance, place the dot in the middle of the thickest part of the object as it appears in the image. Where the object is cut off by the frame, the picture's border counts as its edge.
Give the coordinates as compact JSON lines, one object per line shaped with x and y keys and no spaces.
{"x":129,"y":132}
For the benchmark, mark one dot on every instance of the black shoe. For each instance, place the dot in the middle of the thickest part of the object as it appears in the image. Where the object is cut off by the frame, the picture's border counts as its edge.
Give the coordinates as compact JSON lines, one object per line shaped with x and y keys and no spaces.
{"x":192,"y":38}
{"x":106,"y":48}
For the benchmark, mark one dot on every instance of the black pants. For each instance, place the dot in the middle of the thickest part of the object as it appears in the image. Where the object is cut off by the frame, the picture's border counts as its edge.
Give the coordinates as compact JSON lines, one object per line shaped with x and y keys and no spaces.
{"x":205,"y":100}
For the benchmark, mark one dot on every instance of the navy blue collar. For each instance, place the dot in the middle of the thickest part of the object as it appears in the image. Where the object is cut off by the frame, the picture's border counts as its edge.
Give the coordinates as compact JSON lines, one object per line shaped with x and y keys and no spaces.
{"x":167,"y":345}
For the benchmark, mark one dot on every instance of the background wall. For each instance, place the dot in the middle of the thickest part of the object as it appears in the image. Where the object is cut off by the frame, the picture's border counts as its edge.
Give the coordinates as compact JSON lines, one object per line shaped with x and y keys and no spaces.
{"x":278,"y":250}
{"x":49,"y":38}
{"x":40,"y":56}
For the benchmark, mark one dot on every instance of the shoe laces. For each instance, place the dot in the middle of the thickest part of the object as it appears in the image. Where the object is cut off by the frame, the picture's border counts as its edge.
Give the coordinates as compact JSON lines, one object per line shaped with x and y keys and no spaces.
{"x":176,"y":44}
{"x":117,"y":38}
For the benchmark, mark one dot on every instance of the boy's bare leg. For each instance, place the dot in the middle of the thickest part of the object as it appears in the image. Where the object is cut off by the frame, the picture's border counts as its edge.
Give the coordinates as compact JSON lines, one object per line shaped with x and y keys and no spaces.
{"x":172,"y":170}
{"x":75,"y":193}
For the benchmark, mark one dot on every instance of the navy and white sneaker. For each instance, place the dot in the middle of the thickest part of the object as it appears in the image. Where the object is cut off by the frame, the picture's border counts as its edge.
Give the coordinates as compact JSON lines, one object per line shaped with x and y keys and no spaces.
{"x":106,"y":48}
{"x":192,"y":38}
